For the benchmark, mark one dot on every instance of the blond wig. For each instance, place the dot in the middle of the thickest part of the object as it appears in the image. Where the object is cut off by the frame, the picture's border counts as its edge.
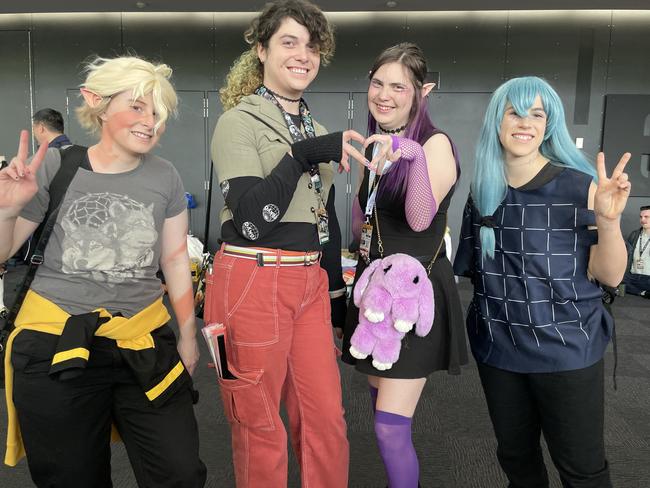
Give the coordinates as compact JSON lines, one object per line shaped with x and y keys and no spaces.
{"x":108,"y":77}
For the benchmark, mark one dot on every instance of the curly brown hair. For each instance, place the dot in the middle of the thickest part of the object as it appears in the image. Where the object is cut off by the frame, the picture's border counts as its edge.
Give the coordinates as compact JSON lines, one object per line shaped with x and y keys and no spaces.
{"x":247,"y":73}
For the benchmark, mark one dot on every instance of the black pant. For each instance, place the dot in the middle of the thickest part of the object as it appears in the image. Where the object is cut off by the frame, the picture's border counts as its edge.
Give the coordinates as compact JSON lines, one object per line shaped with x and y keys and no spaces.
{"x":568,"y":407}
{"x":66,"y":425}
{"x":635,"y":283}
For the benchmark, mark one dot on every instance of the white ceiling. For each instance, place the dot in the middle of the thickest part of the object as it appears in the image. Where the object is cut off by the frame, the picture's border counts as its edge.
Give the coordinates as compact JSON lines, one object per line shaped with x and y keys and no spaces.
{"x":33,"y":6}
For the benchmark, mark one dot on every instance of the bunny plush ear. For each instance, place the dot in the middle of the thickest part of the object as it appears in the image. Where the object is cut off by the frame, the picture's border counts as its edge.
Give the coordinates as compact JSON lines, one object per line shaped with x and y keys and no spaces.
{"x":364,"y":279}
{"x":426,"y":308}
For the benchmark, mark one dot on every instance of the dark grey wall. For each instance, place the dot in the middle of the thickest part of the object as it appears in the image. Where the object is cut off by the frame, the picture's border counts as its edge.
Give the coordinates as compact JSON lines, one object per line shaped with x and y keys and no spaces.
{"x":584,"y":54}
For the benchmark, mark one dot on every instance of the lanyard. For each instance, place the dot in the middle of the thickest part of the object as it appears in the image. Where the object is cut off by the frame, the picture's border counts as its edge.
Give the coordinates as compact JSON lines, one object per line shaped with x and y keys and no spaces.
{"x":296,"y":134}
{"x":642,"y":247}
{"x":305,"y":116}
{"x":373,"y":187}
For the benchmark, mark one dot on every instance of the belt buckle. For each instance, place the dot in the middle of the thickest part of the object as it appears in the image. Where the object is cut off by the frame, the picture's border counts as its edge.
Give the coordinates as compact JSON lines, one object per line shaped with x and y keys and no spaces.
{"x":308,"y":260}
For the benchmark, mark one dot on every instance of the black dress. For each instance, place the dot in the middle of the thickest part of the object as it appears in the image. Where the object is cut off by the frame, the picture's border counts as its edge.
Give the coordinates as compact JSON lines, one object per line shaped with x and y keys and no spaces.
{"x":444,"y":347}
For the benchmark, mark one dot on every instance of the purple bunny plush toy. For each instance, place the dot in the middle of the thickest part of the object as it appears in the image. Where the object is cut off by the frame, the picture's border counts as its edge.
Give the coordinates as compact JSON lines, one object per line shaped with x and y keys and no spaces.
{"x":393,"y":295}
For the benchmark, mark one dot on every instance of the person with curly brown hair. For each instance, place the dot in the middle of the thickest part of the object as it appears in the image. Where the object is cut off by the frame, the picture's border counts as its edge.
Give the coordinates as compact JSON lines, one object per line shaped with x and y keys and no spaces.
{"x":276,"y":282}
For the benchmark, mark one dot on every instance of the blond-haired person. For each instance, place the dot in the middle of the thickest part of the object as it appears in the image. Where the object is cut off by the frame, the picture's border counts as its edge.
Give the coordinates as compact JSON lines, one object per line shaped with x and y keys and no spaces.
{"x":91,"y":346}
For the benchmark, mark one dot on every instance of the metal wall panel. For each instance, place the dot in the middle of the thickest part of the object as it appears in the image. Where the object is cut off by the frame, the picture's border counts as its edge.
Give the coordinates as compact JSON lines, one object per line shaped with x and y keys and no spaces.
{"x":229,"y":43}
{"x":358,"y":41}
{"x":15,"y":22}
{"x":466,"y":48}
{"x":629,"y":63}
{"x":61,"y":44}
{"x":14,"y":80}
{"x":184,"y":41}
{"x":460,"y":115}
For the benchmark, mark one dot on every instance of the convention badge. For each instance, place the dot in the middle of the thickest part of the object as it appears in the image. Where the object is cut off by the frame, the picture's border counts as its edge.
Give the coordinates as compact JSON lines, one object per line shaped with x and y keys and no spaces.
{"x":322,"y":223}
{"x":316,"y":181}
{"x":639,"y":264}
{"x":364,"y":243}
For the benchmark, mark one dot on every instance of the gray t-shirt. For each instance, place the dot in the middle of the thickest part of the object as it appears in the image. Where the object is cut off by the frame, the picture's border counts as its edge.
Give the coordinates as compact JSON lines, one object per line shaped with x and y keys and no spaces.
{"x":105,"y":247}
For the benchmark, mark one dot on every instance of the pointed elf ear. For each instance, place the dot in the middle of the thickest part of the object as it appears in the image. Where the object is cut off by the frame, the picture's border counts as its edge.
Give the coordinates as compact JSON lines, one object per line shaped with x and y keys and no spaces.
{"x":91,"y":98}
{"x":426,"y":88}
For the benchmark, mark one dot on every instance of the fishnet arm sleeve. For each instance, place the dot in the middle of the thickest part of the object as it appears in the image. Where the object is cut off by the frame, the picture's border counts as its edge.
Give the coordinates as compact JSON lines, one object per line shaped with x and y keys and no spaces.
{"x":420,"y":204}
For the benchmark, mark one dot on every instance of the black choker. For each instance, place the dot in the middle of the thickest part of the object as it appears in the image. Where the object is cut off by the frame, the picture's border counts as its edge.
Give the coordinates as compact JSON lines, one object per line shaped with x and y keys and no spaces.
{"x":277,"y":95}
{"x":392,"y":131}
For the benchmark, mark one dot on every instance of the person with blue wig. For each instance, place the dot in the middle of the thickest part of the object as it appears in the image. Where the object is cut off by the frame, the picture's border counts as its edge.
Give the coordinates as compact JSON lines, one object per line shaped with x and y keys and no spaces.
{"x":541,"y":229}
{"x":403,"y":195}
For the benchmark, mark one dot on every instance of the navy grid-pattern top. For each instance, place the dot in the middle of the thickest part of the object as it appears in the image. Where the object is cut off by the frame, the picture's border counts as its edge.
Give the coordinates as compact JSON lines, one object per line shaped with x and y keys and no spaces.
{"x":534,"y":310}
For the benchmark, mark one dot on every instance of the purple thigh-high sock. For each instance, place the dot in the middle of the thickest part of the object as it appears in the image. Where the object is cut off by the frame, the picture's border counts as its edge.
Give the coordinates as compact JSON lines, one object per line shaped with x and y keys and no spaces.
{"x":396,"y":448}
{"x":373,"y":396}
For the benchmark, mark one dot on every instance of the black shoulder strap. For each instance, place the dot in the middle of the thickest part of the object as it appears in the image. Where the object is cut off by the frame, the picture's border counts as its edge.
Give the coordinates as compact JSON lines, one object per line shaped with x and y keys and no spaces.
{"x":72,"y":158}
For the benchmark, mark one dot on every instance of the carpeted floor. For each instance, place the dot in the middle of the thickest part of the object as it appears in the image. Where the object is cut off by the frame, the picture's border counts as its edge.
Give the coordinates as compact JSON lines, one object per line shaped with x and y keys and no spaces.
{"x":452,"y":431}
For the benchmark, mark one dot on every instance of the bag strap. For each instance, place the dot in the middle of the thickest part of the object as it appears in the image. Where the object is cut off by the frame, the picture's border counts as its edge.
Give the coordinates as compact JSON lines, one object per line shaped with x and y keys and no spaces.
{"x":72,"y":158}
{"x":208,"y":209}
{"x":435,"y":256}
{"x":380,"y":245}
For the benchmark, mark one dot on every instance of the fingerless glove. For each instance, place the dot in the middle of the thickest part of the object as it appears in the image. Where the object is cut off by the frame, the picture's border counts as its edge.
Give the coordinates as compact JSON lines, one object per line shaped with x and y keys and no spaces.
{"x":321,"y":149}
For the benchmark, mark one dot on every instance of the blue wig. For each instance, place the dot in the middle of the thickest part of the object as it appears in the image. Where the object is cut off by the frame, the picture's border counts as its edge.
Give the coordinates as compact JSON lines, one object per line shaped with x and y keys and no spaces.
{"x":489,"y":185}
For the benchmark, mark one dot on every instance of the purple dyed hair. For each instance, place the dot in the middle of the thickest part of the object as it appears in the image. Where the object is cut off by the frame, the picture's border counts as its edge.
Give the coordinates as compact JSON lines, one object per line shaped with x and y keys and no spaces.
{"x":419,"y":126}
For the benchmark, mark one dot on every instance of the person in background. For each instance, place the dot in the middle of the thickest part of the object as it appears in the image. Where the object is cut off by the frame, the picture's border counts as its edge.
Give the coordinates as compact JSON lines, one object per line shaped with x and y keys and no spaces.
{"x":48,"y":128}
{"x":92,"y":347}
{"x":637,"y":276}
{"x":276,"y":283}
{"x":412,"y":177}
{"x":539,"y":226}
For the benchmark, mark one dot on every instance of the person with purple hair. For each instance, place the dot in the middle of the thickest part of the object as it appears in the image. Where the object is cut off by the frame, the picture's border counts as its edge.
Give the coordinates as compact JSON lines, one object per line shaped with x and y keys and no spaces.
{"x":403,"y":196}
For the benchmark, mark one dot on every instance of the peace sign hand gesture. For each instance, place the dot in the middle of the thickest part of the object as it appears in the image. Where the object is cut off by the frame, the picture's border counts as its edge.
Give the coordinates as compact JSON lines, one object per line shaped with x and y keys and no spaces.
{"x":18,"y":183}
{"x":611,"y":193}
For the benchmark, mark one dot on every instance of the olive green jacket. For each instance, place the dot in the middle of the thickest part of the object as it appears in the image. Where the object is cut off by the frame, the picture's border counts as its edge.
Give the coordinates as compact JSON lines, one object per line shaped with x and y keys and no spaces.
{"x":250,"y":140}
